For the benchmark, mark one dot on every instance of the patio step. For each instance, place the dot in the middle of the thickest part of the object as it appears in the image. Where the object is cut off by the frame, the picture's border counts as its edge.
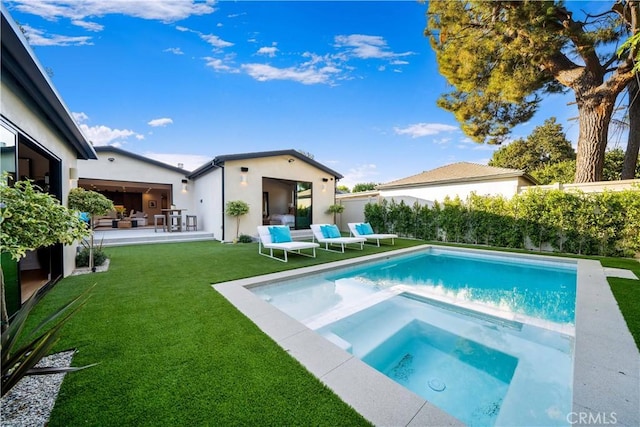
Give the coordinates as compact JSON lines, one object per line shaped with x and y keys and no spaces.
{"x":138,"y":237}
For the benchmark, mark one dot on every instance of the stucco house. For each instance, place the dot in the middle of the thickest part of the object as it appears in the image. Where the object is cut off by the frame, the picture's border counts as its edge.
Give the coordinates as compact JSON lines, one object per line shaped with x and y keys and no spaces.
{"x":136,"y":182}
{"x":39,"y":140}
{"x":281,"y":187}
{"x":457,"y":179}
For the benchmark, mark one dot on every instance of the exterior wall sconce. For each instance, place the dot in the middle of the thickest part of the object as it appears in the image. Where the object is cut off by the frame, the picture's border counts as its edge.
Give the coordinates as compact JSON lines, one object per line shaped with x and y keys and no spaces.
{"x":111,"y":159}
{"x":243,"y":175}
{"x":184,"y":185}
{"x":291,"y":160}
{"x":324,"y":184}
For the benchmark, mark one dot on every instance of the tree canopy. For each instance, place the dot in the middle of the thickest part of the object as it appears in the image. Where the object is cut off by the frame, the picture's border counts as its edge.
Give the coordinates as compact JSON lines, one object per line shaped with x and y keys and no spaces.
{"x":502,"y":57}
{"x":364,"y":186}
{"x":547,"y":144}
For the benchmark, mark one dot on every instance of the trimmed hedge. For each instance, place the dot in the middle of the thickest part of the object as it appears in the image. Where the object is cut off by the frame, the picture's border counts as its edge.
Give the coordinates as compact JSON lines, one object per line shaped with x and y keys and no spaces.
{"x":572,"y":222}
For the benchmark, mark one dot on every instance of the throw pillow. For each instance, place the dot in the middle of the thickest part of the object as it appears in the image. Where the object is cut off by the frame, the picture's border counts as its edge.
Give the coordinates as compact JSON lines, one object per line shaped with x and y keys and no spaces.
{"x":333,"y":232}
{"x":366,"y":228}
{"x":330,"y":231}
{"x":325,"y":231}
{"x":280,"y":234}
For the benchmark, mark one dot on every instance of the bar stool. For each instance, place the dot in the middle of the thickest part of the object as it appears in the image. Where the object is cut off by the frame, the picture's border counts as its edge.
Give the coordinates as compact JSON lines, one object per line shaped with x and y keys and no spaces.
{"x":192,"y":222}
{"x":175,"y":222}
{"x":163,"y":219}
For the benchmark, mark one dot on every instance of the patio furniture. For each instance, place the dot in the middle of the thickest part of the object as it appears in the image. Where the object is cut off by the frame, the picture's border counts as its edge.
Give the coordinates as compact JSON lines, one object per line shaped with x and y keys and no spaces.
{"x":192,"y":222}
{"x":279,"y":237}
{"x":174,"y":218}
{"x":162,"y":219}
{"x":363,"y":229}
{"x":329,"y":234}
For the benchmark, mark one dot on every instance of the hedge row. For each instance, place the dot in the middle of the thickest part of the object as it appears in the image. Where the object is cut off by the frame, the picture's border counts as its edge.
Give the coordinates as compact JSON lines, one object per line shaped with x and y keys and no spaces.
{"x":572,"y":222}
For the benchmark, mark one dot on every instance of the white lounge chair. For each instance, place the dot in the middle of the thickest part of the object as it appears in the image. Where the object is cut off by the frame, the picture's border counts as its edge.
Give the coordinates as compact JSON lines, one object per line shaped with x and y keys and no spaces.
{"x":342,"y":241}
{"x":353,"y":228}
{"x":267,"y":242}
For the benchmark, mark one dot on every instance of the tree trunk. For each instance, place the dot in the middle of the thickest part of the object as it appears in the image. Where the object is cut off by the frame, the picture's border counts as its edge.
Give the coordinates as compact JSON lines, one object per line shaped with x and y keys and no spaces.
{"x":633,"y":144}
{"x":592,"y":139}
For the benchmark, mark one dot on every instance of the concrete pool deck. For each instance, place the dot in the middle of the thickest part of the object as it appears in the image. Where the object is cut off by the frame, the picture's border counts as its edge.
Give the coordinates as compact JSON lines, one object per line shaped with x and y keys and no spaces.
{"x":606,"y":387}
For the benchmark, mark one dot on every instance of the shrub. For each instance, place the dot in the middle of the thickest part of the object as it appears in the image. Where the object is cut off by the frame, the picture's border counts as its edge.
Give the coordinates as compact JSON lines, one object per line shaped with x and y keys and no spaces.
{"x":244,"y":238}
{"x":82,"y":257}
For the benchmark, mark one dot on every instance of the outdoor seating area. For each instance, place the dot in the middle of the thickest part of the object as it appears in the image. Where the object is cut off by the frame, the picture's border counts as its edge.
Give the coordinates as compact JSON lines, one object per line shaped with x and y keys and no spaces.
{"x":329,"y":234}
{"x":363,"y":229}
{"x":278,"y":238}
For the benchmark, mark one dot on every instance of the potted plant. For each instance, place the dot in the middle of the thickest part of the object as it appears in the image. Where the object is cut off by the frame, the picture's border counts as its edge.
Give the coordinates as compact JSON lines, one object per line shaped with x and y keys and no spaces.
{"x":94,"y":204}
{"x":335,"y":209}
{"x":237,"y":208}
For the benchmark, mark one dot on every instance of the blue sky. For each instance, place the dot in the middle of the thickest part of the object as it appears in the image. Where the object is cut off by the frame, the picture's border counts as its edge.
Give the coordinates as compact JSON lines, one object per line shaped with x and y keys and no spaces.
{"x":353,"y":83}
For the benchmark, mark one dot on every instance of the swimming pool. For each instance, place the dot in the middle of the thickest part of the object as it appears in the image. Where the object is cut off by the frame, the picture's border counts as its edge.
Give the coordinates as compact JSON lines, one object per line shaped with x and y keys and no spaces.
{"x":476,"y":334}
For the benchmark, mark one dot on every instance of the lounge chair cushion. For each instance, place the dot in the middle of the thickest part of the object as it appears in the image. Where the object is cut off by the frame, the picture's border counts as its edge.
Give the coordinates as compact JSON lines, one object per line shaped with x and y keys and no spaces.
{"x":330,"y":231}
{"x":364,"y":228}
{"x":280,"y":234}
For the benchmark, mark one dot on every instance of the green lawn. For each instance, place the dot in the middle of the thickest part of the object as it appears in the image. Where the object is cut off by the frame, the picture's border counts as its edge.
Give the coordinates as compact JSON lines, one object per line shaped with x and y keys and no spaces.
{"x":172,"y":351}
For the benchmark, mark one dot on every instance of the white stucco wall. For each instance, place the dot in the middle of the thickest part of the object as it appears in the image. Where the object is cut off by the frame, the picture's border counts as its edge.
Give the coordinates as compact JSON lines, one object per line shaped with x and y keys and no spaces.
{"x":506,"y":187}
{"x":126,"y":168}
{"x":277,"y":167}
{"x":23,"y":116}
{"x":206,"y":191}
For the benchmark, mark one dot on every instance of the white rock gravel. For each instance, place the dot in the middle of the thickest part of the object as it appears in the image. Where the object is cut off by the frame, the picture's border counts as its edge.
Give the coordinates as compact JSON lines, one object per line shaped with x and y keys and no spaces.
{"x":30,"y":402}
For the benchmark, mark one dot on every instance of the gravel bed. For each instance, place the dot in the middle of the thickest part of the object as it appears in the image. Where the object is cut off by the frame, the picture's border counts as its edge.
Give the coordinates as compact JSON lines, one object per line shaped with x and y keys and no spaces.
{"x":86,"y":270}
{"x":31,"y":401}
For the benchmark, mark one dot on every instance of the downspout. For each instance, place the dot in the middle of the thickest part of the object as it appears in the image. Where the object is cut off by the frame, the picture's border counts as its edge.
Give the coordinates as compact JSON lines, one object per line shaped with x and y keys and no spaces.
{"x":223,"y":199}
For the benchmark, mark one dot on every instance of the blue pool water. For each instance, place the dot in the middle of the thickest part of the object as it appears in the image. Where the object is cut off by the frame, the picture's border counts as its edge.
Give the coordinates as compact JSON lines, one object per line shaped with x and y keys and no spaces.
{"x":486,"y":337}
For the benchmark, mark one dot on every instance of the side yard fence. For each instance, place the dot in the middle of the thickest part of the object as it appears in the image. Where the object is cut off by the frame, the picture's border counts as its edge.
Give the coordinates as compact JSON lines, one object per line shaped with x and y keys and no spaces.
{"x":606,"y":223}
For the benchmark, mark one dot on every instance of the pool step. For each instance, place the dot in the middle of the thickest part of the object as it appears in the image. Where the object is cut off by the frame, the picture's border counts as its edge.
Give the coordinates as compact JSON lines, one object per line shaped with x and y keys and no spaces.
{"x":317,"y":322}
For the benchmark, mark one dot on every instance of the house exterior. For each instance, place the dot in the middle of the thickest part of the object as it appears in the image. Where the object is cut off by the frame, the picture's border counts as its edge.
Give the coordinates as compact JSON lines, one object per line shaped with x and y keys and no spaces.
{"x":136,"y":182}
{"x":457,"y":179}
{"x":39,"y":140}
{"x":281,"y":187}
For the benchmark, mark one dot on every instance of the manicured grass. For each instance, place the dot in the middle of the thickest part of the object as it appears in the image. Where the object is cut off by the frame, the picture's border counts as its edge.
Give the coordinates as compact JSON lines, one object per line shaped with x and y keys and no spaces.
{"x":172,"y":351}
{"x":627,"y":293}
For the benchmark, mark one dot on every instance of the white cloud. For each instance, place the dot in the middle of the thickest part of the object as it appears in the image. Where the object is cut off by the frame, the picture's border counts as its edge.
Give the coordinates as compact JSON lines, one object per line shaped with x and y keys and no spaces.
{"x":80,"y":117}
{"x":89,"y":26}
{"x":367,"y":47}
{"x":174,"y":50}
{"x":269,"y":51}
{"x":360,"y":174}
{"x":165,"y":10}
{"x":418,"y":130}
{"x":307,"y":75}
{"x":40,"y":38}
{"x":215,"y":41}
{"x":103,"y":135}
{"x":160,"y":122}
{"x":219,"y":65}
{"x":190,"y":161}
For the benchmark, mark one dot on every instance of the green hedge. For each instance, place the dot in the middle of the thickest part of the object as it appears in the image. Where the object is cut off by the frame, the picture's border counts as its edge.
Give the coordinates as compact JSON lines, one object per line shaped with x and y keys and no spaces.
{"x":573,"y":222}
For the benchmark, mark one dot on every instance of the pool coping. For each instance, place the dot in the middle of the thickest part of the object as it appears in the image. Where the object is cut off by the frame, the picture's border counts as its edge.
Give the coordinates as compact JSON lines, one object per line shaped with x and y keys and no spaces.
{"x":606,"y":365}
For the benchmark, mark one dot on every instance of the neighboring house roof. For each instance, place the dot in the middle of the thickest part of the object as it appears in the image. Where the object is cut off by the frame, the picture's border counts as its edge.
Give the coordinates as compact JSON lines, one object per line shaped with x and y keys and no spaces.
{"x":219,"y":161}
{"x":20,"y":64}
{"x":102,"y":149}
{"x":456,"y":173}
